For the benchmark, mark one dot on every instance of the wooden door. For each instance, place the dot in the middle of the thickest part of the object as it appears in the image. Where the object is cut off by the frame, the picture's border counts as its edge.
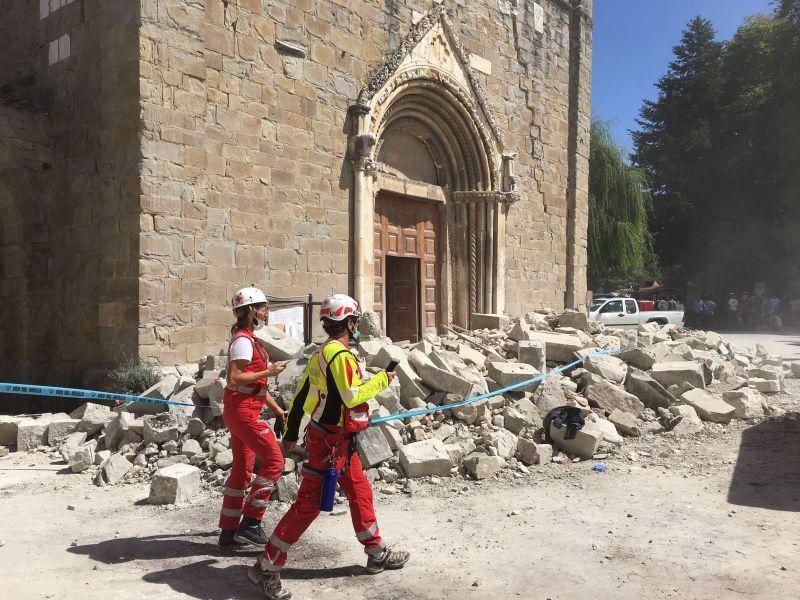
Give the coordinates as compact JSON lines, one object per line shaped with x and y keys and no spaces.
{"x":407,"y":227}
{"x":402,"y":298}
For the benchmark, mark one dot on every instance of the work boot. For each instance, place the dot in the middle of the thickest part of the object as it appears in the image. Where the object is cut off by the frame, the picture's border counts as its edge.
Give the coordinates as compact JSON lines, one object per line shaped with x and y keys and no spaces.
{"x":391,"y":559}
{"x":252,"y":535}
{"x":269,"y":582}
{"x":227,"y":541}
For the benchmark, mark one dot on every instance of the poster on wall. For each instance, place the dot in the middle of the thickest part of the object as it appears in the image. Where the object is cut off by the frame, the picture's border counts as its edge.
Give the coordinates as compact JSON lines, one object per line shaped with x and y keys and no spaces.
{"x":291,"y":317}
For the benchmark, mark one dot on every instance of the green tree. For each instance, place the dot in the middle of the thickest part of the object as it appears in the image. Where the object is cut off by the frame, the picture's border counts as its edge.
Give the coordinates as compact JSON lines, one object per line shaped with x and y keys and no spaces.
{"x":620,"y":247}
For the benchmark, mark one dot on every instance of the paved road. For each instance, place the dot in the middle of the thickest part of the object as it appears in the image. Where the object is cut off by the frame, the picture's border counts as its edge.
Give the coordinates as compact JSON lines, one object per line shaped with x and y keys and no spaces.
{"x":785,"y":345}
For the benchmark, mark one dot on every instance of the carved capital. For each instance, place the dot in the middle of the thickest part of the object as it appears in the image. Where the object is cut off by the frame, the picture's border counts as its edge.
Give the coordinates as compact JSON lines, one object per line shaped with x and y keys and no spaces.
{"x":485,"y":197}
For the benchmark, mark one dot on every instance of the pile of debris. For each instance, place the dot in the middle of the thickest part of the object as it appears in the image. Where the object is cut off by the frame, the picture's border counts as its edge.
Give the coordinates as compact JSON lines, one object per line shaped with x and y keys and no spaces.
{"x":656,"y":380}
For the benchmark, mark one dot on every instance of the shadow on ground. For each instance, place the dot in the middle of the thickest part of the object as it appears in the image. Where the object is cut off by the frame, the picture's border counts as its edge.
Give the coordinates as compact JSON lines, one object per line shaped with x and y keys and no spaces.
{"x":767,"y":473}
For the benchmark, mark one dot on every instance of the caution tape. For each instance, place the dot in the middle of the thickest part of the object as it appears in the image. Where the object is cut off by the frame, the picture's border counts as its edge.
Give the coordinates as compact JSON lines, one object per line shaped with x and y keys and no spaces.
{"x":426,"y":411}
{"x":78,"y":394}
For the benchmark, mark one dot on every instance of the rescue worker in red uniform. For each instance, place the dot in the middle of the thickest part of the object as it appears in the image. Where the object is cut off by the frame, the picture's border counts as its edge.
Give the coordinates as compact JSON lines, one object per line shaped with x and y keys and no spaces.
{"x":245,"y":395}
{"x":331,"y":391}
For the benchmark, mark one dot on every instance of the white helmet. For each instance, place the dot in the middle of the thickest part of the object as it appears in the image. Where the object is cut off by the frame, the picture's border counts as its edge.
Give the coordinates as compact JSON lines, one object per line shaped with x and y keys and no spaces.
{"x":247,"y":296}
{"x":338,"y":307}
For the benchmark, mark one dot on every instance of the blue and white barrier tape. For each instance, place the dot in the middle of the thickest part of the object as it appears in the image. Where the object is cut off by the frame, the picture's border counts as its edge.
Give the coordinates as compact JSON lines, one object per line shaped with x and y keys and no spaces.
{"x":77,"y":394}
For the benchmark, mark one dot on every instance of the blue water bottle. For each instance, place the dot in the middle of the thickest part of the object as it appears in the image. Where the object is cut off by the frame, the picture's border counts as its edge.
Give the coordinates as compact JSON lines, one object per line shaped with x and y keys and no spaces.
{"x":328,"y":489}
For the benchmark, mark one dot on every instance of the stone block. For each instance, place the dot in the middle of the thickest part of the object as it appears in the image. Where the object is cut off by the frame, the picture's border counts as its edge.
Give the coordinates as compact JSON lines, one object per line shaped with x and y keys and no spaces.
{"x":93,"y":417}
{"x":770,"y":374}
{"x":392,"y":436}
{"x":83,"y":458}
{"x":608,"y":367}
{"x":765,"y":386}
{"x":604,"y":428}
{"x":746,"y":402}
{"x":428,"y":457}
{"x":689,"y":423}
{"x":286,"y":488}
{"x":437,"y":378}
{"x":115,"y":430}
{"x":671,"y":373}
{"x":483,"y":466}
{"x":203,"y":386}
{"x":379,"y":354}
{"x":8,"y":429}
{"x":507,"y":374}
{"x":59,"y":428}
{"x":520,"y":331}
{"x":459,"y":449}
{"x":708,"y":407}
{"x":609,"y":396}
{"x":503,"y":441}
{"x":652,"y":394}
{"x":575,"y":319}
{"x":224,"y":458}
{"x":101,"y":457}
{"x":373,"y":447}
{"x":390,"y":398}
{"x":191,"y":447}
{"x":560,"y":347}
{"x":531,"y":453}
{"x":625,"y":423}
{"x":471,"y":356}
{"x":31,"y":433}
{"x":71,"y":444}
{"x":533,"y":353}
{"x":795,"y":367}
{"x":515,"y":421}
{"x":161,"y":428}
{"x":584,"y":444}
{"x":279,"y":345}
{"x":370,"y":325}
{"x":641,"y":358}
{"x":549,"y":395}
{"x":488,"y":321}
{"x":174,"y":485}
{"x":115,"y":468}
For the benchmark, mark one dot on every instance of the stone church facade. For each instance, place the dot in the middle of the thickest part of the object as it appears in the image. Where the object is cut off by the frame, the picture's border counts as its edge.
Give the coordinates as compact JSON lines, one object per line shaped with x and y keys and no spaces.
{"x":428,"y":157}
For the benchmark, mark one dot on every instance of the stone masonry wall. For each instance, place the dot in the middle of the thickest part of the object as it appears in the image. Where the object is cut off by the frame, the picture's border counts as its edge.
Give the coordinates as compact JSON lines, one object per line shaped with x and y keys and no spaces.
{"x":244,"y":178}
{"x":77,"y":60}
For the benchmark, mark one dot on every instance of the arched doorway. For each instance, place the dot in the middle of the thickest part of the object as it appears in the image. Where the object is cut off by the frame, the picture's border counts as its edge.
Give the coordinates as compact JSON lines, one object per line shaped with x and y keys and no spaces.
{"x":431,"y":188}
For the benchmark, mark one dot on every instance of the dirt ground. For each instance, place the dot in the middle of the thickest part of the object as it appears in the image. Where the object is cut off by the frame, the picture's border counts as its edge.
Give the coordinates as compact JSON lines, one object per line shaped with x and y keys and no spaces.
{"x":716,"y":516}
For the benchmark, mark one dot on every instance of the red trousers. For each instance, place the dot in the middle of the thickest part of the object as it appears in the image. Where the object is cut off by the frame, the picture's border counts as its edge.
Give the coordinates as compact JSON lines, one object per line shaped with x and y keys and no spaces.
{"x":250,"y":437}
{"x":352,"y":481}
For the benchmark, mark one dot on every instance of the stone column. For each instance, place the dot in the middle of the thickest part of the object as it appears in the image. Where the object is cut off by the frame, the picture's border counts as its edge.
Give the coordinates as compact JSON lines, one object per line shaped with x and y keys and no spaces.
{"x":361,"y":146}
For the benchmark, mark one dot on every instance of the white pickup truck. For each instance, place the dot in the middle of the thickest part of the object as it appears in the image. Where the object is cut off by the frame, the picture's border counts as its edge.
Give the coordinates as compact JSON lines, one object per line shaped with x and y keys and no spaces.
{"x":624,"y":312}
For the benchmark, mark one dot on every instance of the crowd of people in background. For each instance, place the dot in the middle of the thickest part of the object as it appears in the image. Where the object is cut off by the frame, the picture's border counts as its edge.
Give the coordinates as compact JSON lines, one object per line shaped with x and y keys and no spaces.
{"x":745,"y":311}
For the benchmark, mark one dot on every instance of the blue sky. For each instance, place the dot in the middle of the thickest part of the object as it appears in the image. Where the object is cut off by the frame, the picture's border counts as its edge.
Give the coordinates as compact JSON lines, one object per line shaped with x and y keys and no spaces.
{"x":633,"y":42}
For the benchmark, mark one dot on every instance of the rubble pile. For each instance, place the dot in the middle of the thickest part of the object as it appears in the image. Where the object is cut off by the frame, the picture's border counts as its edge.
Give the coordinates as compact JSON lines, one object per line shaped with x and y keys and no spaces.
{"x":657,"y":380}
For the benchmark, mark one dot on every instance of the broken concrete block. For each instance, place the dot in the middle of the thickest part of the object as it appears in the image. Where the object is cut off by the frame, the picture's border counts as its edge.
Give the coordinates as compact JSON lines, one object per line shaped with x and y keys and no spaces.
{"x":560,"y":347}
{"x":83,"y":458}
{"x":373,"y":447}
{"x":795,"y":367}
{"x":770,"y":374}
{"x":115,"y":468}
{"x":746,"y":402}
{"x":59,"y":427}
{"x":584,"y":444}
{"x":575,"y":319}
{"x":369,"y":325}
{"x":608,"y":367}
{"x":488,"y":321}
{"x":31,"y":433}
{"x":202,"y":387}
{"x":390,"y":398}
{"x":279,"y":345}
{"x":224,"y":458}
{"x":388,"y":354}
{"x":483,"y":466}
{"x":765,"y":386}
{"x":690,"y":423}
{"x":437,"y":378}
{"x":368,"y":349}
{"x":549,"y":395}
{"x":671,"y":373}
{"x":174,"y":485}
{"x":648,"y":390}
{"x":161,"y":428}
{"x":520,"y":331}
{"x":101,"y":457}
{"x":608,"y":396}
{"x":94,"y":417}
{"x":428,"y":457}
{"x":8,"y":429}
{"x":392,"y":436}
{"x":459,"y":449}
{"x":531,"y":453}
{"x":708,"y":407}
{"x":412,"y":390}
{"x":625,"y":423}
{"x":507,"y":374}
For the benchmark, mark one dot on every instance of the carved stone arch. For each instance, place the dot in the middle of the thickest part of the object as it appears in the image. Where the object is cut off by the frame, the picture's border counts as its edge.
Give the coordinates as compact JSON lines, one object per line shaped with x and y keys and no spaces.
{"x":427,"y":88}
